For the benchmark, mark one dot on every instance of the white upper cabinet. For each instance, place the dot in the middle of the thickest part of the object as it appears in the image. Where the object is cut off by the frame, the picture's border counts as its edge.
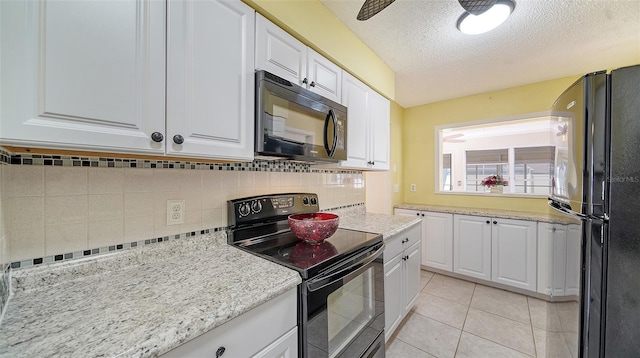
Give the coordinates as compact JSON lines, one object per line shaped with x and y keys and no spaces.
{"x":283,"y":55}
{"x":355,"y":96}
{"x":380,"y":131}
{"x":90,"y":75}
{"x":210,"y":79}
{"x":368,"y":126}
{"x":83,"y":74}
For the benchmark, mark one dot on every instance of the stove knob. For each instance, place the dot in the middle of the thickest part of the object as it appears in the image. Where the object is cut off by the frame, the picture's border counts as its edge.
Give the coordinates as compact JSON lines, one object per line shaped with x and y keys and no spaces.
{"x":244,"y":209}
{"x":256,"y":206}
{"x":305,"y":201}
{"x":314,"y":201}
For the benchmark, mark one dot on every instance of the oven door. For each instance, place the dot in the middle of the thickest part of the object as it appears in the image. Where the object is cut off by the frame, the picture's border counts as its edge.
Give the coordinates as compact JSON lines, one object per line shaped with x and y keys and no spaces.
{"x":342,"y":310}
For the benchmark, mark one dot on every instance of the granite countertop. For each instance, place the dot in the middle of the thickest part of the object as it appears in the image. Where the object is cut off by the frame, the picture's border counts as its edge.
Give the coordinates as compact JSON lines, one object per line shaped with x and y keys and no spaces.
{"x":146,"y":301}
{"x":387,"y":225}
{"x":138,"y":303}
{"x":505,"y":214}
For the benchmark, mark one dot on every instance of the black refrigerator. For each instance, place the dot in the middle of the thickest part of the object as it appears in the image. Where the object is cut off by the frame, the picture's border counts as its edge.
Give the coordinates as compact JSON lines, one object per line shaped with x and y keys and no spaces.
{"x":596,"y":179}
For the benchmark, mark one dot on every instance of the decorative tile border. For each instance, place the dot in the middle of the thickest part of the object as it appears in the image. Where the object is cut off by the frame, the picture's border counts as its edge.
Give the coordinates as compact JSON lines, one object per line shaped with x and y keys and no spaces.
{"x":107,"y":249}
{"x":5,"y":157}
{"x":4,"y":289}
{"x":126,"y":246}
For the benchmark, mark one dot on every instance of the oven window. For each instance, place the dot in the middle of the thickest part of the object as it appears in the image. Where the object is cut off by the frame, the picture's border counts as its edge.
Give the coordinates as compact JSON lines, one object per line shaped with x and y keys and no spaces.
{"x":350,"y":309}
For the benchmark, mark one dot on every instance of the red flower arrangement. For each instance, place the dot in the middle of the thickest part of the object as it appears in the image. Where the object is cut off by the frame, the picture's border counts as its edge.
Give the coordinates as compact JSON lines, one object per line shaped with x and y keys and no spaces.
{"x":493,"y":180}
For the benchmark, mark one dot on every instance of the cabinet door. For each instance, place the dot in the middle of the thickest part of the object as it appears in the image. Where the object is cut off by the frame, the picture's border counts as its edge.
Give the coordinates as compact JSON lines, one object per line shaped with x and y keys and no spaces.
{"x":278,"y":52}
{"x":551,"y":259}
{"x":514,"y":245}
{"x":393,"y":301}
{"x":355,"y":96}
{"x":323,"y":76}
{"x":285,"y":347}
{"x":210,"y":78}
{"x":407,"y":212}
{"x":472,"y":246}
{"x":572,"y":274}
{"x":83,"y":75}
{"x":380,"y":131}
{"x":411,"y":275}
{"x":437,"y":240}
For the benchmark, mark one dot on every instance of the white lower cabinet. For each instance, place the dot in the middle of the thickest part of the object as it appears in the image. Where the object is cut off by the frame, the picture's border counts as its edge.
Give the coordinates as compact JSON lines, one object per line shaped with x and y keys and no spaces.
{"x":472,"y":246}
{"x":559,"y":259}
{"x":514,"y":255}
{"x":401,"y":276}
{"x":498,"y":250}
{"x":437,"y":238}
{"x":269,"y":330}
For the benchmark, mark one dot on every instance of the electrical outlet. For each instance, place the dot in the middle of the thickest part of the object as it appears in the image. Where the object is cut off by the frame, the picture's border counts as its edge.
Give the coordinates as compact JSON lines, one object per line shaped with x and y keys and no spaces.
{"x":396,"y":188}
{"x":175,"y":212}
{"x":413,"y":187}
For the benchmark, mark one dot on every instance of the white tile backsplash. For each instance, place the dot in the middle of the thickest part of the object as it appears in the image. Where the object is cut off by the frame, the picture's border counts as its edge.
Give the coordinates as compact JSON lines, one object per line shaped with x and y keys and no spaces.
{"x":72,"y":209}
{"x":65,"y":181}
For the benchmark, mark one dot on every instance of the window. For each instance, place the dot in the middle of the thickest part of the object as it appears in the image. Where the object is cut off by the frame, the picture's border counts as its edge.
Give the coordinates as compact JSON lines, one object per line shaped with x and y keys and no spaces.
{"x":483,"y":163}
{"x":533,"y":169}
{"x":521,"y":149}
{"x":446,"y":172}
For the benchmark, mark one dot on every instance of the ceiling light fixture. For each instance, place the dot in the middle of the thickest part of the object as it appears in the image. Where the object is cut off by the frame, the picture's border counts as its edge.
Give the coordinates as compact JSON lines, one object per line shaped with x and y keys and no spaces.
{"x":477,"y":24}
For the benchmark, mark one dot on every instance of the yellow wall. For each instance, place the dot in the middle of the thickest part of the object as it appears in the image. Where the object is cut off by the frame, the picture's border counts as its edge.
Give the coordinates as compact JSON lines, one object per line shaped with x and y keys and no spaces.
{"x":418,"y":145}
{"x":312,"y":23}
{"x":396,"y":167}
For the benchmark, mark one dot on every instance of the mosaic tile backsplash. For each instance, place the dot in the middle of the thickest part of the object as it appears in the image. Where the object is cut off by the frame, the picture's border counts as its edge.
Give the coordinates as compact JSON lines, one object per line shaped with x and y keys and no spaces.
{"x":61,"y":207}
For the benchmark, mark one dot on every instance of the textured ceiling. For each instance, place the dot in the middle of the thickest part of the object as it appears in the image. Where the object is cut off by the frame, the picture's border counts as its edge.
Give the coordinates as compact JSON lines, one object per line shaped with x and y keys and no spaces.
{"x":542,"y":40}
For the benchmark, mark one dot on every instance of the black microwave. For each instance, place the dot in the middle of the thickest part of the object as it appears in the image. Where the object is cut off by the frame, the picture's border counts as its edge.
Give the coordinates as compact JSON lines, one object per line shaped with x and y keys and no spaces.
{"x":295,"y":123}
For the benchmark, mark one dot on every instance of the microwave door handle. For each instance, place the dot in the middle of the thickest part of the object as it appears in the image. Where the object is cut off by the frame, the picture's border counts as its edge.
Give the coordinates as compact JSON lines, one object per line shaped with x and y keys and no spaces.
{"x":330,"y":151}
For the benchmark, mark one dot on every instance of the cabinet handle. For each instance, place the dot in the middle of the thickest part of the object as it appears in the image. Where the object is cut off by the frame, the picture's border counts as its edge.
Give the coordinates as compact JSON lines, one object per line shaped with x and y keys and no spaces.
{"x":157,"y":137}
{"x":312,"y":84}
{"x":305,"y":81}
{"x":178,"y":139}
{"x":417,"y":214}
{"x":405,"y":240}
{"x":488,"y":222}
{"x":422,"y":214}
{"x":220,"y":352}
{"x":494,"y":222}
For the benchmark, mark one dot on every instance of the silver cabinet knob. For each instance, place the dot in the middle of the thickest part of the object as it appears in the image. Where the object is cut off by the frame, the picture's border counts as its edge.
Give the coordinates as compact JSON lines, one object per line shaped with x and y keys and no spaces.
{"x":178,"y":139}
{"x":157,"y":137}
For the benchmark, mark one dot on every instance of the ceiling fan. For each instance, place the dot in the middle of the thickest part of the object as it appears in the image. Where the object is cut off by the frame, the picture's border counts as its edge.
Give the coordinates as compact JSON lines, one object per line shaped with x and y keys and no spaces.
{"x":372,"y":7}
{"x":453,"y":138}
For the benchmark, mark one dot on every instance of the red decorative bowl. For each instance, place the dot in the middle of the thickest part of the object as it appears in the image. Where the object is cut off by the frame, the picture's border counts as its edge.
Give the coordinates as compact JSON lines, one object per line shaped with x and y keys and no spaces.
{"x":313,"y":227}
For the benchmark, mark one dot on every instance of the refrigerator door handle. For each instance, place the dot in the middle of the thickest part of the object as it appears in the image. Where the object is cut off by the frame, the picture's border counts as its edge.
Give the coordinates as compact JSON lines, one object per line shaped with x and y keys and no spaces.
{"x":565,"y":209}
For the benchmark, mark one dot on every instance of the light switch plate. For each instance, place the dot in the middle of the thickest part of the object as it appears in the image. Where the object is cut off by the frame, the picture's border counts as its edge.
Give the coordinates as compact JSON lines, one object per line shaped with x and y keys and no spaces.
{"x":413,"y":187}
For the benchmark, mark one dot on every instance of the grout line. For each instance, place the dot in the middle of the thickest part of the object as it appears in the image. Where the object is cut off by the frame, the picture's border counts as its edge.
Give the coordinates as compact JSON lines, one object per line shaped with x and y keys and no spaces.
{"x":535,"y":346}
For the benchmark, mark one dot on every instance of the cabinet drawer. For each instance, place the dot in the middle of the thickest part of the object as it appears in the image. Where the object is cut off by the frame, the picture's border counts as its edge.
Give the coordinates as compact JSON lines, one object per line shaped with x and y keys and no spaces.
{"x":392,"y":247}
{"x":247,"y":334}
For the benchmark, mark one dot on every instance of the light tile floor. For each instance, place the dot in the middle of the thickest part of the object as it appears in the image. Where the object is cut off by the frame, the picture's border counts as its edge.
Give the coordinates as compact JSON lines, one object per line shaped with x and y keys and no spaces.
{"x":457,"y":318}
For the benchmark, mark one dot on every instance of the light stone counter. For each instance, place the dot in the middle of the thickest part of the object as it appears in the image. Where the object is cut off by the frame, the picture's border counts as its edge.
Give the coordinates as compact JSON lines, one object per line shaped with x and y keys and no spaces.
{"x":505,"y":214}
{"x":387,"y":225}
{"x":138,"y":303}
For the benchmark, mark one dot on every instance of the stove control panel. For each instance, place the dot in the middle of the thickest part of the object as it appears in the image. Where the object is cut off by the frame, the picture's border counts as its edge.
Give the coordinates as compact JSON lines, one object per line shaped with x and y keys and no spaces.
{"x":255,"y":209}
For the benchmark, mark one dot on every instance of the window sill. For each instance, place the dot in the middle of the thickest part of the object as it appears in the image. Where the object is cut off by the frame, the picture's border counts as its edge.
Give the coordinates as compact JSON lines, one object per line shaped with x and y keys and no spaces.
{"x":500,"y":195}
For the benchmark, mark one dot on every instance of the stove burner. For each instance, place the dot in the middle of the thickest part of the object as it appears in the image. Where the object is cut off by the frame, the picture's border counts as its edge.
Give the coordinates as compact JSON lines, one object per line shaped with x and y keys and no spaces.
{"x":306,"y":255}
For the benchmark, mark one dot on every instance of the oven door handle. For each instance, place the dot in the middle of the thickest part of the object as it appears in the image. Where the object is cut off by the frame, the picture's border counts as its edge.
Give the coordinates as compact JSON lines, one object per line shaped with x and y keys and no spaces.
{"x":334,"y":276}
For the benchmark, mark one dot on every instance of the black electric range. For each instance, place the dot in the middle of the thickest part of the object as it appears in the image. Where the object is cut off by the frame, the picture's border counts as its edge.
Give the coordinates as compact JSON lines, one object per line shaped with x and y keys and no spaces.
{"x":260,"y":226}
{"x":341,"y":297}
